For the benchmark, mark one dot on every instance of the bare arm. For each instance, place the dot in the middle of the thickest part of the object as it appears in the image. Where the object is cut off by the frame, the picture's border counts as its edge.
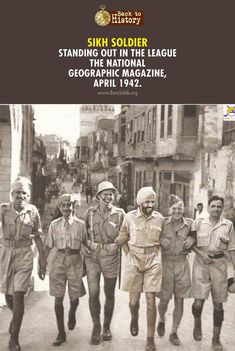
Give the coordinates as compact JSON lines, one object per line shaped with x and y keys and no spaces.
{"x":126,"y":248}
{"x":201,"y":254}
{"x":232,"y":256}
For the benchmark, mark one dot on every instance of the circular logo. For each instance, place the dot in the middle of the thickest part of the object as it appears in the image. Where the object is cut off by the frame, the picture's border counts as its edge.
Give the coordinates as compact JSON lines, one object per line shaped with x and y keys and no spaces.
{"x":102,"y":17}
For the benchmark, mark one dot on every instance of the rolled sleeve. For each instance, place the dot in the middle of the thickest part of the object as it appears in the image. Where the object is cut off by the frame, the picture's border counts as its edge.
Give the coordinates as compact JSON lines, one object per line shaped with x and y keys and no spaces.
{"x":123,"y":235}
{"x":37,"y":227}
{"x":231,"y":244}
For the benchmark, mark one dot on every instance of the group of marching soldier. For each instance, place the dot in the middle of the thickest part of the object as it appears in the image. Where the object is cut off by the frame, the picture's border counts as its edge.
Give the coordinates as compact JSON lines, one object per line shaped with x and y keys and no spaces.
{"x":156,"y":262}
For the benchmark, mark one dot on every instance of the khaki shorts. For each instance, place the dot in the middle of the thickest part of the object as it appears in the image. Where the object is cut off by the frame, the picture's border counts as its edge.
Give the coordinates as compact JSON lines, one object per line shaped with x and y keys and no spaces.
{"x":16,"y":267}
{"x":143,"y":272}
{"x":102,"y":261}
{"x":66,"y":268}
{"x":210,"y":277}
{"x":176,"y":279}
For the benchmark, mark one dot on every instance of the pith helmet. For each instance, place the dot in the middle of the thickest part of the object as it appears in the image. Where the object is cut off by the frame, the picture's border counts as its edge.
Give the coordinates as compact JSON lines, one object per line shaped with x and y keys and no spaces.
{"x":231,"y":285}
{"x":105,"y":186}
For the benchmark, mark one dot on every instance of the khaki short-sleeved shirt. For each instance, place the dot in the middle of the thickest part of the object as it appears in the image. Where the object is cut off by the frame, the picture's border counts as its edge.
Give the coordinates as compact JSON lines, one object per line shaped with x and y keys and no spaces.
{"x":209,"y":237}
{"x":64,"y":234}
{"x":176,"y":238}
{"x":19,"y":225}
{"x":103,"y":227}
{"x":141,"y":231}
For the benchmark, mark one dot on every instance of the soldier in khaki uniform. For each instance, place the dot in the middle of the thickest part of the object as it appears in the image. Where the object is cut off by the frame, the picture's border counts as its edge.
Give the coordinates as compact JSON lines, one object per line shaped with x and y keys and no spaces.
{"x":176,"y":278}
{"x":215,"y":235}
{"x":143,"y":272}
{"x":103,"y":223}
{"x":20,"y":223}
{"x":67,"y":235}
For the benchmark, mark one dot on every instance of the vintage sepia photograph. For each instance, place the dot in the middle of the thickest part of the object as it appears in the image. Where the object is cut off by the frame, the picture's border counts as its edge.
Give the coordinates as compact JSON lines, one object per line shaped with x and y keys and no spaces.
{"x":117,"y":227}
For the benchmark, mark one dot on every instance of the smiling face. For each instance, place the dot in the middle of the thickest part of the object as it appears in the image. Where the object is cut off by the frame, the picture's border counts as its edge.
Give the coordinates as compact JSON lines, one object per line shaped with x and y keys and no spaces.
{"x":106,"y":196}
{"x":215,"y":209}
{"x":20,"y":198}
{"x":147,"y":206}
{"x":65,"y":208}
{"x":177,"y":210}
{"x":200,"y":208}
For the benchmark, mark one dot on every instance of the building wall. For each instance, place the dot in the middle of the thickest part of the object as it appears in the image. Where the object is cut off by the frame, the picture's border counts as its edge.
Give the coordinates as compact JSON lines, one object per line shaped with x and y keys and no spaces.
{"x":5,"y":153}
{"x":16,"y":151}
{"x":90,"y":114}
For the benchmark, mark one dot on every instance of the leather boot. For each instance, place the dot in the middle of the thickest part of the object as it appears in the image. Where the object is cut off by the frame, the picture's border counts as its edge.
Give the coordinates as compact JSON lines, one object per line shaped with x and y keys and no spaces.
{"x":197,"y":330}
{"x":72,"y":314}
{"x":59,"y":312}
{"x":14,"y":344}
{"x":150,"y":346}
{"x":134,"y":328}
{"x":9,"y":302}
{"x":18,"y":312}
{"x":95,"y":336}
{"x":107,"y":335}
{"x":216,"y":344}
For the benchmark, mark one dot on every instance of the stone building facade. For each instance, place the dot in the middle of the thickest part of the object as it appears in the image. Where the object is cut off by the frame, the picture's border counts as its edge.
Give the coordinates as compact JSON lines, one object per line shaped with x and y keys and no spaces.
{"x":90,"y":114}
{"x":16,"y":145}
{"x":167,"y":146}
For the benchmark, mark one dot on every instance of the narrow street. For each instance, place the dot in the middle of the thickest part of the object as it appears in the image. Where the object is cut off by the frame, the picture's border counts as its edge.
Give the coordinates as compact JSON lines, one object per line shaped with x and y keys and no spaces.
{"x":39,"y":326}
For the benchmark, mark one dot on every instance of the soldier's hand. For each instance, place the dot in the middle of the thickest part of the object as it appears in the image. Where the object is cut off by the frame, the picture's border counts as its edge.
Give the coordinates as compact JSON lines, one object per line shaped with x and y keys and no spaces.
{"x":41,"y":272}
{"x":42,"y":261}
{"x":206,"y":259}
{"x":121,"y":240}
{"x":85,"y":250}
{"x":188,"y":243}
{"x":165,"y":243}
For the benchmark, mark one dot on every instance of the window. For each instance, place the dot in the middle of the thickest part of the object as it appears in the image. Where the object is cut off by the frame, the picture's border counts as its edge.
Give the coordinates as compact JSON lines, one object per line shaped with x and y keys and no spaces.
{"x":4,"y":114}
{"x":154,"y":126}
{"x":228,"y":132}
{"x":123,"y":132}
{"x":162,"y":121}
{"x":149,"y":125}
{"x":142,"y":135}
{"x":190,"y":120}
{"x":169,"y":121}
{"x":131,"y":126}
{"x":134,"y":138}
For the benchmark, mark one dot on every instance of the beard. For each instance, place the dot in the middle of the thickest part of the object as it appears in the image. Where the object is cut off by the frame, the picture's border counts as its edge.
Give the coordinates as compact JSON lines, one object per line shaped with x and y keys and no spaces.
{"x":147,"y":210}
{"x":20,"y":203}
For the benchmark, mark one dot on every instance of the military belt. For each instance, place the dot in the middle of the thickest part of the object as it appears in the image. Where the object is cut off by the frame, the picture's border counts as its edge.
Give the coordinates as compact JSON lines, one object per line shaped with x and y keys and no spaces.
{"x":144,"y":250}
{"x":218,"y":255}
{"x":69,"y":251}
{"x":17,"y":244}
{"x":97,"y":246}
